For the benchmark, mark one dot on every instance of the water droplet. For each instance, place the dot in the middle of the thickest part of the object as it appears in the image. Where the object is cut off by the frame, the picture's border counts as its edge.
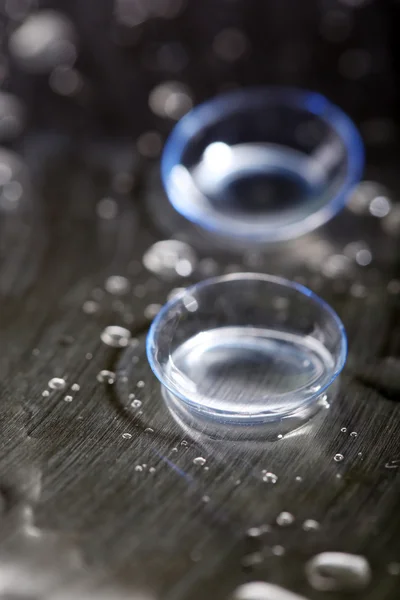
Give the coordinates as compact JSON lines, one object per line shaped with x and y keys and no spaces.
{"x":117,"y":285}
{"x":393,"y":568}
{"x":170,"y":99}
{"x":75,"y":387}
{"x":298,"y":478}
{"x":45,"y":393}
{"x":175,"y":449}
{"x":338,"y":457}
{"x":136,"y":403}
{"x":57,"y":383}
{"x":393,"y":287}
{"x":260,"y":590}
{"x":149,"y":144}
{"x":255,"y":532}
{"x":278,"y":550}
{"x":284,"y":519}
{"x":230,"y":44}
{"x":344,"y":429}
{"x":269,"y":477}
{"x":106,"y":377}
{"x":199,"y":460}
{"x":68,"y":398}
{"x":380,"y":207}
{"x":338,"y":571}
{"x":107,"y":209}
{"x":139,"y":468}
{"x":311,"y":525}
{"x":45,"y":40}
{"x":88,"y":356}
{"x":337,"y":265}
{"x":152,"y":470}
{"x":127,"y":436}
{"x":90,"y":307}
{"x":184,"y":443}
{"x":152,"y":311}
{"x":170,"y":258}
{"x":206,"y":499}
{"x":149,"y":430}
{"x":353,"y":434}
{"x":140,"y":384}
{"x":115,"y":336}
{"x":393,"y":464}
{"x":175,"y":292}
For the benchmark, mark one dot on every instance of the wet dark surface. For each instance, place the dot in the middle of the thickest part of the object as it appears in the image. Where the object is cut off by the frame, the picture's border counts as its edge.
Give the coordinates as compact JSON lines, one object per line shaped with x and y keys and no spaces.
{"x":100,"y":492}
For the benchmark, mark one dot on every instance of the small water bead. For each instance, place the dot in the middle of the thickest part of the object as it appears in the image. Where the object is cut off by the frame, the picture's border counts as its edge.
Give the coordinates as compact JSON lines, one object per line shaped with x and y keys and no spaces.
{"x":343,"y":429}
{"x":106,"y":377}
{"x":45,"y":393}
{"x":115,"y":336}
{"x":117,"y":285}
{"x":127,"y":436}
{"x":75,"y":387}
{"x":88,"y":356}
{"x":298,"y":478}
{"x":139,"y":468}
{"x":136,"y":403}
{"x":393,"y":464}
{"x":140,"y":384}
{"x":284,"y":519}
{"x":107,"y":209}
{"x":338,"y":457}
{"x":68,"y":399}
{"x":206,"y":499}
{"x":149,"y":430}
{"x":174,"y":449}
{"x":200,"y":461}
{"x":393,"y":287}
{"x":393,"y":568}
{"x":353,"y":434}
{"x":152,"y":470}
{"x":184,"y":443}
{"x":255,"y":532}
{"x":269,"y":477}
{"x":338,"y":571}
{"x":170,"y":99}
{"x":57,"y":383}
{"x":278,"y":550}
{"x":311,"y":525}
{"x":90,"y":307}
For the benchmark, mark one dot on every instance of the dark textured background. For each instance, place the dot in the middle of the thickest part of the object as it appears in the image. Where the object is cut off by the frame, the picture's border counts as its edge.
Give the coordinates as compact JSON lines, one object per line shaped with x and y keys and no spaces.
{"x":65,"y":466}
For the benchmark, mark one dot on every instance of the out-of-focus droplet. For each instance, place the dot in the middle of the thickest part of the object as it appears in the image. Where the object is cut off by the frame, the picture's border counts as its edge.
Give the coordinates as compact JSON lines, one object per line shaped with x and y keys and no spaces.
{"x":337,"y":266}
{"x":391,"y":223}
{"x":393,"y":568}
{"x":45,"y":40}
{"x":380,"y":207}
{"x":90,"y":307}
{"x":170,"y":99}
{"x":152,"y":311}
{"x":170,"y":258}
{"x":65,"y":80}
{"x":149,"y":144}
{"x":336,"y":25}
{"x":115,"y":336}
{"x":230,"y":44}
{"x":363,"y":196}
{"x":117,"y":285}
{"x":172,"y":57}
{"x":12,"y":116}
{"x":338,"y":571}
{"x":107,"y":208}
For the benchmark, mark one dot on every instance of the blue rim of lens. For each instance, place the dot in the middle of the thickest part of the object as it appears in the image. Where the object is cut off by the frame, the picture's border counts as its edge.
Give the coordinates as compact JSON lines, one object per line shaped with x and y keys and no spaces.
{"x":151,"y":341}
{"x":211,"y":111}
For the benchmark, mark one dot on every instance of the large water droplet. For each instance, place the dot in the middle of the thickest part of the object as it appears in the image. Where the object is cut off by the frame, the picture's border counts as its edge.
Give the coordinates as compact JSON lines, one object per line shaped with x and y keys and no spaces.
{"x":338,"y":571}
{"x":260,"y":590}
{"x":338,"y":457}
{"x":311,"y":525}
{"x":115,"y":336}
{"x":200,"y":461}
